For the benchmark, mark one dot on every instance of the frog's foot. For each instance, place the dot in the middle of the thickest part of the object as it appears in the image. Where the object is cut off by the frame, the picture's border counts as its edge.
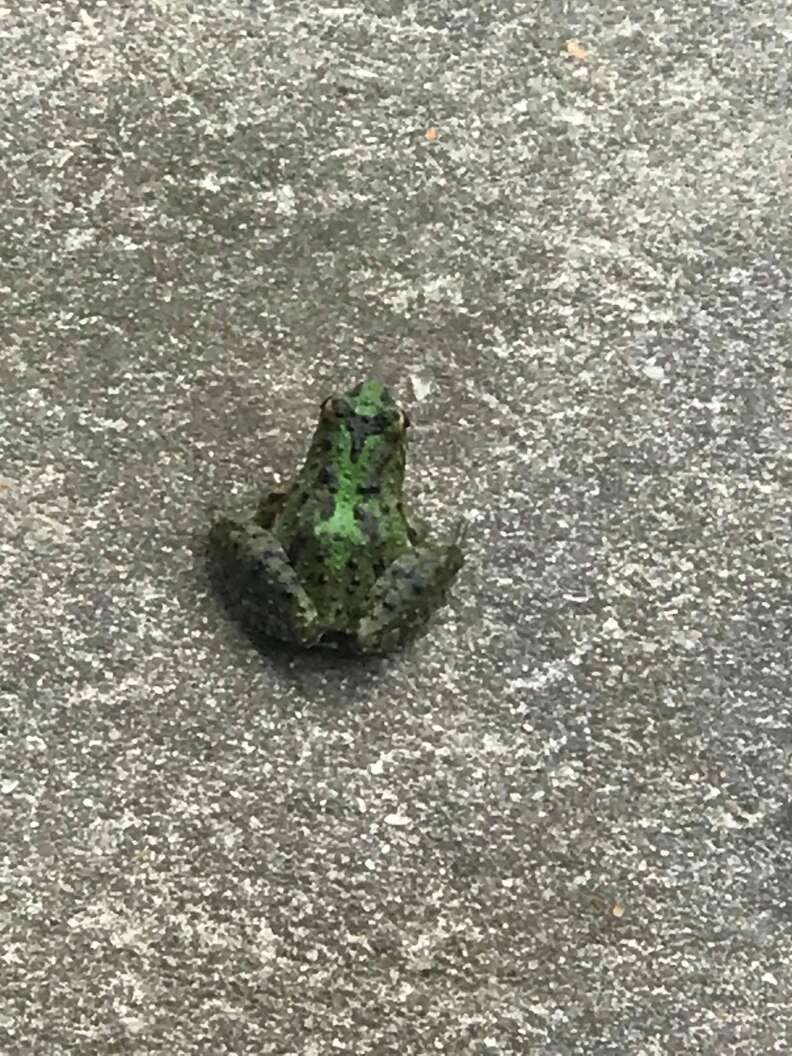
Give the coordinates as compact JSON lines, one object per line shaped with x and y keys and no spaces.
{"x":269,"y":507}
{"x":255,"y":576}
{"x":405,"y":596}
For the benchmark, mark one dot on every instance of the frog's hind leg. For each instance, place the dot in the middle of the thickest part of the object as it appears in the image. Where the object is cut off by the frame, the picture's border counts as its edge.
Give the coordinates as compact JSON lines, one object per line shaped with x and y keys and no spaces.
{"x":406,"y":595}
{"x":256,"y":578}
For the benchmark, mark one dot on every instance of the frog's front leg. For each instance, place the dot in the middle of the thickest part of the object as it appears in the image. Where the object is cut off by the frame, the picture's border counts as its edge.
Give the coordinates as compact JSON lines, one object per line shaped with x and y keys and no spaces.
{"x":406,"y":595}
{"x":257,"y":577}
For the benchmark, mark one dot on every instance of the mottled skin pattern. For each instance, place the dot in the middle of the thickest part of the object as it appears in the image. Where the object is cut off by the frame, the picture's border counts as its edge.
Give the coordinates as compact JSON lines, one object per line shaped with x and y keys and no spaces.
{"x":334,"y":560}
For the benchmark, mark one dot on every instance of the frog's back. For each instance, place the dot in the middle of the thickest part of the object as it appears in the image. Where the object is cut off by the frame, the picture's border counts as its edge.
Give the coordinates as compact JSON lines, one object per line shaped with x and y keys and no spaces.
{"x":342,"y":522}
{"x":338,"y":553}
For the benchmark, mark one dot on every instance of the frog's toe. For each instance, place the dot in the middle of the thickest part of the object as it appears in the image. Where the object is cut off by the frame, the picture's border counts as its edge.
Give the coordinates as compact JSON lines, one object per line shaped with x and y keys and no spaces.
{"x":373,"y":637}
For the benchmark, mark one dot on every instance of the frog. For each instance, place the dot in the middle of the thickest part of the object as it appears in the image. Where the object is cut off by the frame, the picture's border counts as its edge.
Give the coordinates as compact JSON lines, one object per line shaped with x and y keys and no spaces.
{"x":333,"y":560}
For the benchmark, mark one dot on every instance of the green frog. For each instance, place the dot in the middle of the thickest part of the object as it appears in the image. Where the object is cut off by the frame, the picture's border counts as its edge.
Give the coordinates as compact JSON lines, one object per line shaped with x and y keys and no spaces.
{"x":334,"y":560}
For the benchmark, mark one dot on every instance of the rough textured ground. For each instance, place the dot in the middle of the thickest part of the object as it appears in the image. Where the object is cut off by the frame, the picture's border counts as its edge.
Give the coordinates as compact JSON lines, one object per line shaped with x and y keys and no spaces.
{"x":561,"y":823}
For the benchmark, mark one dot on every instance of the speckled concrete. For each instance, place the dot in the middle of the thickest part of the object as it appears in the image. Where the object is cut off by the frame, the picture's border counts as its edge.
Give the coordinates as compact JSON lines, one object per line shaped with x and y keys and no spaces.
{"x":559,"y":824}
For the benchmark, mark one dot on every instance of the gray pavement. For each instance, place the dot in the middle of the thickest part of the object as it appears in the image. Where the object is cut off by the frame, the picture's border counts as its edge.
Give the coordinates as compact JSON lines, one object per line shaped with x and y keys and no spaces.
{"x":561,"y":822}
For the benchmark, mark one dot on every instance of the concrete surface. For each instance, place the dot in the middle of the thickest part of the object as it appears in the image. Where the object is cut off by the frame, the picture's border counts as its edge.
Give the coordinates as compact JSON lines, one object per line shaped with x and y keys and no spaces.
{"x":559,"y":824}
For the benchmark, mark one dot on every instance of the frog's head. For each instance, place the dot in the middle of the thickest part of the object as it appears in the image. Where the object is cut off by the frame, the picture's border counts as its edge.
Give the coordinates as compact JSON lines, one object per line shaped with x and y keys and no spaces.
{"x":368,"y":420}
{"x":358,"y":449}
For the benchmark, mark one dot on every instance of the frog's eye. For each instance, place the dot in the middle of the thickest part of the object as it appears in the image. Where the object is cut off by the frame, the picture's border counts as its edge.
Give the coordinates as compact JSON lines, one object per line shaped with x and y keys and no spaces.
{"x":332,"y":408}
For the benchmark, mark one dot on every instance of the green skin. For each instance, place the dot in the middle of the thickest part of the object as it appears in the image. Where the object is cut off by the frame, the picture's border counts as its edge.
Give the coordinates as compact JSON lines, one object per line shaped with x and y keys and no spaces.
{"x":334,"y":561}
